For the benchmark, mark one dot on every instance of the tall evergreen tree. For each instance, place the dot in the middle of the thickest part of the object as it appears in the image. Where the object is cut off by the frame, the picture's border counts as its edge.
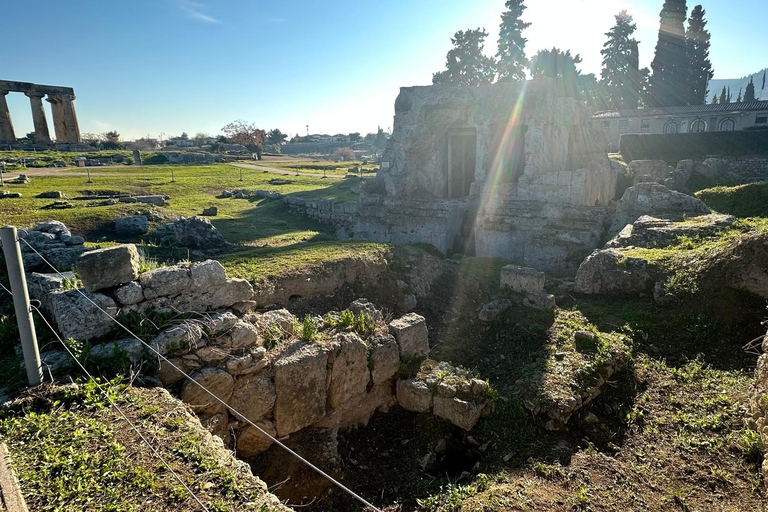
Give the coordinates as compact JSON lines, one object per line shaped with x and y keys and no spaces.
{"x":749,"y":94}
{"x":621,"y":78}
{"x":697,"y":41}
{"x":729,"y":97}
{"x":465,"y":63}
{"x":715,"y":101}
{"x":511,"y":59}
{"x":670,"y":66}
{"x":738,"y":99}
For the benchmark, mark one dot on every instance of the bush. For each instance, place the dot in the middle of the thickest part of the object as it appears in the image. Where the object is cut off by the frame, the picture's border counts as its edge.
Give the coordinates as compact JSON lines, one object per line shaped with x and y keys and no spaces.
{"x":345,"y":154}
{"x":682,"y":146}
{"x":157,"y":158}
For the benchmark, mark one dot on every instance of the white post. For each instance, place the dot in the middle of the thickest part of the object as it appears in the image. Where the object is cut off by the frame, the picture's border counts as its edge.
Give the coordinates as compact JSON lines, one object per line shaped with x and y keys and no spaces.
{"x":2,"y":181}
{"x":13,"y":261}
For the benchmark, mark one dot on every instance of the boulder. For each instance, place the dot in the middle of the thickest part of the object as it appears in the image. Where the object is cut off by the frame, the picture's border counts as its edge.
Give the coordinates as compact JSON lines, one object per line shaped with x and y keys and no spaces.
{"x":77,"y":317}
{"x":649,"y":171}
{"x":542,"y":302}
{"x":167,"y":371}
{"x":282,"y":317}
{"x":219,"y":323}
{"x":523,"y":280}
{"x":155,"y":200}
{"x":649,"y":231}
{"x":462,"y":413}
{"x":196,"y":232}
{"x":211,"y":211}
{"x":384,"y":358}
{"x":365,"y":306}
{"x":41,"y":285}
{"x":411,"y":334}
{"x":51,"y":194}
{"x":414,"y":395}
{"x":241,"y":335}
{"x":217,"y":381}
{"x":134,"y":225}
{"x":180,"y":338}
{"x":610,"y":272}
{"x":131,"y":348}
{"x":129,"y":294}
{"x":349,"y":374}
{"x":53,"y":227}
{"x":106,"y":268}
{"x":253,"y":396}
{"x":300,"y":384}
{"x":252,"y":442}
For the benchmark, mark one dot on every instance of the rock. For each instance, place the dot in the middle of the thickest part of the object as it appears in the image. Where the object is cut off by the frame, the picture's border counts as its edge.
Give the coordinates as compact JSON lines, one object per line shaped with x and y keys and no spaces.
{"x":129,"y":294}
{"x":349,"y":371}
{"x":131,"y":348}
{"x":409,"y":302}
{"x":300,"y":383}
{"x":106,"y":268}
{"x":542,"y":302}
{"x":4,"y":194}
{"x":244,"y":307}
{"x":127,"y":199}
{"x":462,"y":413}
{"x":282,"y":317}
{"x":492,"y":310}
{"x":53,"y":194}
{"x":217,"y":381}
{"x":359,"y":409}
{"x":591,"y":419}
{"x":73,"y":240}
{"x":585,"y":337}
{"x":213,"y":355}
{"x":77,"y":317}
{"x":254,"y":396}
{"x":155,"y":200}
{"x":179,"y":338}
{"x":241,"y":335}
{"x":167,"y":372}
{"x":610,"y":272}
{"x":211,"y":211}
{"x":411,"y":334}
{"x":226,"y":193}
{"x":198,"y":233}
{"x":523,"y":280}
{"x":218,"y":425}
{"x":40,"y":286}
{"x":128,"y":227}
{"x":652,"y":170}
{"x":414,"y":395}
{"x":384,"y":358}
{"x":365,"y":306}
{"x":251,"y":442}
{"x":655,"y":200}
{"x":219,"y":323}
{"x":56,"y":360}
{"x":53,"y":227}
{"x":649,"y":231}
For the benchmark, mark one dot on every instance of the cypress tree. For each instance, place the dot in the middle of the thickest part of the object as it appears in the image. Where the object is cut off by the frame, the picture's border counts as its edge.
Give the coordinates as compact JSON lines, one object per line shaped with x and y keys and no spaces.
{"x":511,"y":59}
{"x":697,"y":41}
{"x":620,"y":77}
{"x":738,"y":100}
{"x":723,"y":97}
{"x":749,"y":94}
{"x":668,"y":84}
{"x":729,"y":97}
{"x":465,"y":63}
{"x":714,"y":100}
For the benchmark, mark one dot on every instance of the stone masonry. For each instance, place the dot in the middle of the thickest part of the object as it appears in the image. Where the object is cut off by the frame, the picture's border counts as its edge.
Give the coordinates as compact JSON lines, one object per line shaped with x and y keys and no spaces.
{"x":62,"y":107}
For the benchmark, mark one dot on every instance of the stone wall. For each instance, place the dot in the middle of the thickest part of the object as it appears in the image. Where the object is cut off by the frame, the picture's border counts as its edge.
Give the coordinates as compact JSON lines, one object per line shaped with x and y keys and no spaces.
{"x":758,"y":401}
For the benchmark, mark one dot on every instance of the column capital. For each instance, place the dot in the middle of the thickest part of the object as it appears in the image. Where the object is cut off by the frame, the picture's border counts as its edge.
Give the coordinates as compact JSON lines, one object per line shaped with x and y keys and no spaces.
{"x":34,"y":94}
{"x":3,"y":92}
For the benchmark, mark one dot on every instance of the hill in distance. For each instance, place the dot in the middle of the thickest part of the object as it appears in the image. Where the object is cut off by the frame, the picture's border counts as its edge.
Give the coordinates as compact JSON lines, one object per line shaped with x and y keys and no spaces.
{"x":716,"y":86}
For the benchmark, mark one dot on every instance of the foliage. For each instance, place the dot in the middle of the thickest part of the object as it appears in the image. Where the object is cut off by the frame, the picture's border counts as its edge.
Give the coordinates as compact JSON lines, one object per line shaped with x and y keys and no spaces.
{"x":354,"y":137}
{"x":245,"y":133}
{"x":308,"y":328}
{"x":699,"y":66}
{"x":276,"y":137}
{"x":681,"y":146}
{"x":510,"y":58}
{"x":749,"y":93}
{"x":668,"y":83}
{"x":621,"y":78}
{"x":465,"y":63}
{"x":561,"y":67}
{"x":345,"y":154}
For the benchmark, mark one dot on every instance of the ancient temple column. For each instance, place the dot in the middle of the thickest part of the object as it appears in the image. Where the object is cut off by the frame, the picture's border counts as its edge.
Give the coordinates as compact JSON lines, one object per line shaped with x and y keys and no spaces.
{"x":59,"y":118}
{"x":6,"y":126}
{"x":38,"y":117}
{"x":70,"y":119}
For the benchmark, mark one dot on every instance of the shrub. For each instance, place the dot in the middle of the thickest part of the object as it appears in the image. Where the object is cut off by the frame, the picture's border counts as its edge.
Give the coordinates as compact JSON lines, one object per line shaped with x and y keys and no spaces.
{"x":682,"y":146}
{"x":344,"y":153}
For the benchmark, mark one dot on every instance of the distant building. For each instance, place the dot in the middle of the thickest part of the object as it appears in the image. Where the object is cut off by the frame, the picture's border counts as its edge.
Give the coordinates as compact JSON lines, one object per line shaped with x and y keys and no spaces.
{"x":143,"y":144}
{"x":727,"y":117}
{"x":180,"y":143}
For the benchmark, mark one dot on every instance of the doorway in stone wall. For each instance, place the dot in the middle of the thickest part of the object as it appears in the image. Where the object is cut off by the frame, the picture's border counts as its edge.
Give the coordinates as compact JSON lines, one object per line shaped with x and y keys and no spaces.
{"x":462,"y":153}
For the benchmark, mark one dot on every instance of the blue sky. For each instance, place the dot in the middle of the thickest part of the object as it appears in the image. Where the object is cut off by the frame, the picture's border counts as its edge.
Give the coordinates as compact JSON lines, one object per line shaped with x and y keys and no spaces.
{"x":166,"y":66}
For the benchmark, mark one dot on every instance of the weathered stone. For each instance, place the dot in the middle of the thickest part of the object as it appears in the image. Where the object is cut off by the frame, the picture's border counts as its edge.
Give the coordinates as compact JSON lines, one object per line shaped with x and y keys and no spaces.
{"x":53,"y":194}
{"x":77,"y":317}
{"x":131,"y":348}
{"x":213,"y":355}
{"x":384,"y":358}
{"x":251,"y":442}
{"x":411,"y":334}
{"x":128,"y":294}
{"x":211,"y":211}
{"x":365,"y":306}
{"x":300,"y":383}
{"x":241,"y":335}
{"x":167,"y":371}
{"x":649,"y":231}
{"x":155,"y":200}
{"x":219,"y":323}
{"x":523,"y":280}
{"x":359,"y":409}
{"x":349,"y":372}
{"x":254,"y":396}
{"x":492,"y":310}
{"x":53,"y":227}
{"x":217,"y":381}
{"x":649,"y":171}
{"x":178,"y":339}
{"x":282,"y":317}
{"x":218,"y":425}
{"x":414,"y":395}
{"x":135,"y":225}
{"x":462,"y":413}
{"x":543,"y":302}
{"x":608,"y":271}
{"x":197,"y":232}
{"x":244,"y":307}
{"x":105,"y":268}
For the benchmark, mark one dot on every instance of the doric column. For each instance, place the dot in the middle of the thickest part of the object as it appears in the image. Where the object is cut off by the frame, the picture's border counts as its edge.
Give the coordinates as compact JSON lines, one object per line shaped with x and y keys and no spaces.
{"x":59,"y":118}
{"x":73,"y":130}
{"x":6,"y":125}
{"x":38,"y":117}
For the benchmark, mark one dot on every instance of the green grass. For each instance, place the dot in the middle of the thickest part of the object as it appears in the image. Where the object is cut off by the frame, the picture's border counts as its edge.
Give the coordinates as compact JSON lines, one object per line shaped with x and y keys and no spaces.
{"x":321,"y":166}
{"x":749,"y":200}
{"x":47,"y":157}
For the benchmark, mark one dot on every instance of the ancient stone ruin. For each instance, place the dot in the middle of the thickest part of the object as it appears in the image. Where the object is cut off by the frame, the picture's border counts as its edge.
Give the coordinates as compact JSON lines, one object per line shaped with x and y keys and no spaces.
{"x":62,"y":106}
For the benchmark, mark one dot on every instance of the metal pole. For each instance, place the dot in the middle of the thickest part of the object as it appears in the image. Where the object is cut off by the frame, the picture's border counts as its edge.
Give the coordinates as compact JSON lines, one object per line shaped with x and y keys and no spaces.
{"x":88,"y":170}
{"x":13,"y":261}
{"x":2,"y":181}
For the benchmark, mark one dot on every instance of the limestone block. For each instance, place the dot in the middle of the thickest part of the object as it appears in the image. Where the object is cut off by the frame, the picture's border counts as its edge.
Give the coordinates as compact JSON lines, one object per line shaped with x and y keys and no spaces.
{"x":251,"y":442}
{"x":217,"y":381}
{"x":523,"y":280}
{"x":207,"y":273}
{"x":218,"y":425}
{"x":608,"y":271}
{"x":462,"y":413}
{"x":414,"y":395}
{"x":654,"y":170}
{"x":543,"y":302}
{"x":244,"y":307}
{"x":155,"y":200}
{"x":253,"y":396}
{"x":213,"y":355}
{"x":238,"y":365}
{"x":76,"y":317}
{"x":167,"y":372}
{"x":385,"y":358}
{"x":411,"y":334}
{"x":129,"y":294}
{"x":53,"y":227}
{"x":131,"y":348}
{"x":282,"y":317}
{"x":105,"y":268}
{"x":493,"y":309}
{"x":365,"y":306}
{"x":218,"y":323}
{"x":165,"y":281}
{"x":241,"y":335}
{"x":359,"y":409}
{"x":41,"y":285}
{"x":300,"y":384}
{"x":134,"y":225}
{"x":179,"y":338}
{"x":349,"y":373}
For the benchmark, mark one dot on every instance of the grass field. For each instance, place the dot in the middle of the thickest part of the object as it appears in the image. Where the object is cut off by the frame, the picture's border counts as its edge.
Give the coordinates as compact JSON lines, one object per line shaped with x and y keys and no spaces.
{"x":319,"y":166}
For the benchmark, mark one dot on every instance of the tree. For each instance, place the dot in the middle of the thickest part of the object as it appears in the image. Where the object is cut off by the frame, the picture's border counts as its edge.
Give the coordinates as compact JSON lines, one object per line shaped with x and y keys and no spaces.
{"x":112,"y":136}
{"x":465,"y":62}
{"x":738,"y":100}
{"x":729,"y":97}
{"x":749,"y":94}
{"x":380,"y":141}
{"x":621,"y":78}
{"x":670,"y":68}
{"x":245,"y":133}
{"x":201,"y":138}
{"x":184,"y":136}
{"x":715,"y":101}
{"x":723,"y":97}
{"x":276,"y":136}
{"x":354,"y":137}
{"x":561,"y":67}
{"x":511,"y":59}
{"x":345,"y":154}
{"x":697,"y":41}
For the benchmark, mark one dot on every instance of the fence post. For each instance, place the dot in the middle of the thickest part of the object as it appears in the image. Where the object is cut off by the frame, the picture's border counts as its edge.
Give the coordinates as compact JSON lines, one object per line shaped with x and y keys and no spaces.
{"x":18,"y":280}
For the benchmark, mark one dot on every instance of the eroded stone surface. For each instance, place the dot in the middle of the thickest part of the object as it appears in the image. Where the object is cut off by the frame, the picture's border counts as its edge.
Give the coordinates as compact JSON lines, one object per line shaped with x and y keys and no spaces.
{"x":106,"y":268}
{"x":300,"y":384}
{"x":414,"y":395}
{"x":384,"y":358}
{"x":411,"y":334}
{"x":217,"y":381}
{"x":77,"y":317}
{"x":254,"y":395}
{"x":349,"y":373}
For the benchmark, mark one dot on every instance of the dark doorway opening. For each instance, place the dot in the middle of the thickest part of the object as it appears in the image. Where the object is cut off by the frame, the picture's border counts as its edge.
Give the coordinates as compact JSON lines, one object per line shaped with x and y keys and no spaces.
{"x":462,"y":153}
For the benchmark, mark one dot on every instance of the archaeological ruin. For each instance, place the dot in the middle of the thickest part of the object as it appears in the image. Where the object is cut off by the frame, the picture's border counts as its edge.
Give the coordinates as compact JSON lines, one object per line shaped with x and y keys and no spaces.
{"x":62,"y":107}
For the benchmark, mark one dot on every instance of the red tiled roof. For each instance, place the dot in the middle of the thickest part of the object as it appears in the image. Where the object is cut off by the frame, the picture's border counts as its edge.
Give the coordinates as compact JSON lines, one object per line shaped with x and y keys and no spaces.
{"x":687,"y":109}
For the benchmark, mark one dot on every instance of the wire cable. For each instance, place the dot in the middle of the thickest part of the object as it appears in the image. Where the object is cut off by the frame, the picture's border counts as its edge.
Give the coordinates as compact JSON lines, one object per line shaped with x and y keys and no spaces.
{"x":216,"y":398}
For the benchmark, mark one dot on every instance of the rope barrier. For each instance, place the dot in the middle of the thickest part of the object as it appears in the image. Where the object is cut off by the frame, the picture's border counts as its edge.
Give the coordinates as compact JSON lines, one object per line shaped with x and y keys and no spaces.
{"x":216,"y":398}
